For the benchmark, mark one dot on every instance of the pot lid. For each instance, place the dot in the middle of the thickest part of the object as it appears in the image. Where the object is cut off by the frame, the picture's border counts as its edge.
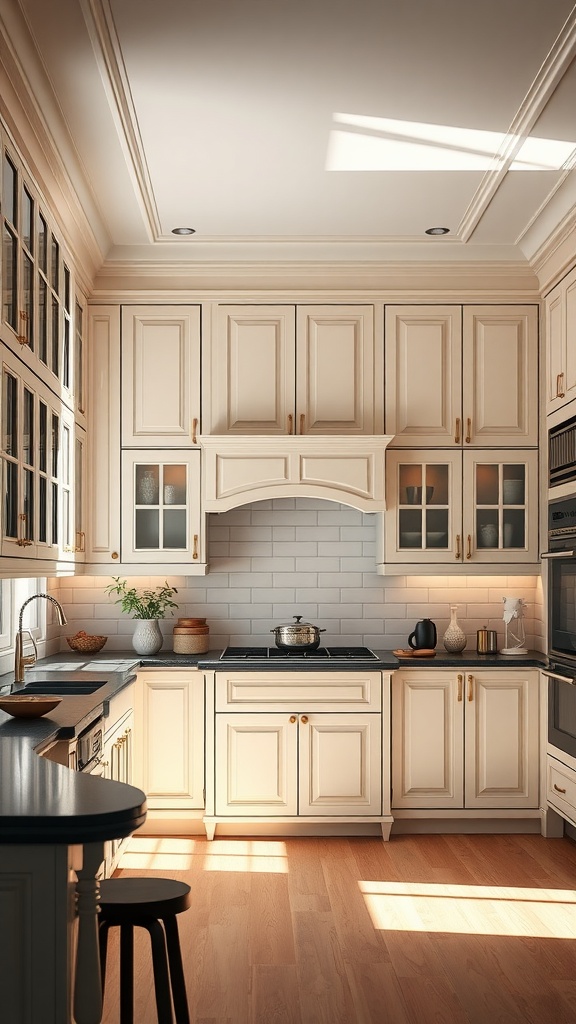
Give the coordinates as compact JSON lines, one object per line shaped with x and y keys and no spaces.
{"x":296,"y":625}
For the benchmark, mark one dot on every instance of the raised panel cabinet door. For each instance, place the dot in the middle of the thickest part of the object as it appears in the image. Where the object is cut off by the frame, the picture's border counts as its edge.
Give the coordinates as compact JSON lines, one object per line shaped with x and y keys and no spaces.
{"x":256,"y":764}
{"x":423,"y":358}
{"x":335,"y":370}
{"x":427,"y":739}
{"x":554,"y":321}
{"x":340,"y":764}
{"x":160,"y":376}
{"x":570,"y":320}
{"x":500,"y":375}
{"x":253,"y":370}
{"x":502,"y":729}
{"x":104,"y":525}
{"x":169,"y":738}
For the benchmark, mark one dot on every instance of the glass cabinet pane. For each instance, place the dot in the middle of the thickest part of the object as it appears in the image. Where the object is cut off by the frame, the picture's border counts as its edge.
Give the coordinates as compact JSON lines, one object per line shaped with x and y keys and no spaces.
{"x":10,"y":414}
{"x":11,"y":500}
{"x":161,"y":513}
{"x":42,"y":244}
{"x":28,"y":429}
{"x":27,"y":312}
{"x":423,"y":516}
{"x":9,"y":278}
{"x":147,"y":529}
{"x":27,"y":220}
{"x":43,"y":320}
{"x":147,"y":484}
{"x":500,"y":506}
{"x":9,"y":183}
{"x":79,"y":357}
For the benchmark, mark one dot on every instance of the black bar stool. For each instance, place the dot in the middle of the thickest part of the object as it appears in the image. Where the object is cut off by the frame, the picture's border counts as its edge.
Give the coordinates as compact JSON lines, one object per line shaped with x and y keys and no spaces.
{"x":126,"y":902}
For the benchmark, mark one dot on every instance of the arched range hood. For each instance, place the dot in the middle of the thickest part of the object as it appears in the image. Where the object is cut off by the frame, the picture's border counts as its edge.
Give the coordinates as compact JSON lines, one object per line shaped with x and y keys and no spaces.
{"x":347,"y":469}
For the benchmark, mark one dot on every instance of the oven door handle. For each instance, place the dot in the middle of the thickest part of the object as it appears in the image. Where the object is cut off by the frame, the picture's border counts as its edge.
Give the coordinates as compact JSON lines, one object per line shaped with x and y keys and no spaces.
{"x":562,"y":679}
{"x":557,"y":554}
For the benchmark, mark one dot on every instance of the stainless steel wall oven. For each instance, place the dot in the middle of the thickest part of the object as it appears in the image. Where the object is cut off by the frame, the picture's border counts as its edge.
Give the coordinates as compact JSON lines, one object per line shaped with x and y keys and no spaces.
{"x":561,"y":672}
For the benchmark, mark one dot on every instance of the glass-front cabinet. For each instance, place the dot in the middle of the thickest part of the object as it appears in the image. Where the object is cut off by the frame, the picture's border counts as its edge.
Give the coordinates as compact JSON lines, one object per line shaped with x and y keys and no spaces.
{"x":161,"y":507}
{"x":468,"y":508}
{"x":39,"y":487}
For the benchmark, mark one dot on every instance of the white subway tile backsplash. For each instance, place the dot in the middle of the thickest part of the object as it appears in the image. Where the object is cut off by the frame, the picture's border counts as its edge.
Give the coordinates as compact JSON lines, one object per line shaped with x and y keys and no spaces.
{"x":272,"y":560}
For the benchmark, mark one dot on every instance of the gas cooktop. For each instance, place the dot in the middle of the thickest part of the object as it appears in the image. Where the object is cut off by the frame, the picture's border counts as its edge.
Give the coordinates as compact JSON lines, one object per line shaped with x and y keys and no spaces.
{"x":283,"y":654}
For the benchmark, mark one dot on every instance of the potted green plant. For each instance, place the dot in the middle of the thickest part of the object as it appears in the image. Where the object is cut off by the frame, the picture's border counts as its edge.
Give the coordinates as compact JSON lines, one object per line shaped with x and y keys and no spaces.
{"x":147,"y":606}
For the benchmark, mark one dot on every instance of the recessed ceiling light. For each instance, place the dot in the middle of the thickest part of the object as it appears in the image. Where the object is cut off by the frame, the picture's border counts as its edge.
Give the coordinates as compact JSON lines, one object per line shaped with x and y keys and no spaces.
{"x":437,"y":231}
{"x":183,"y":231}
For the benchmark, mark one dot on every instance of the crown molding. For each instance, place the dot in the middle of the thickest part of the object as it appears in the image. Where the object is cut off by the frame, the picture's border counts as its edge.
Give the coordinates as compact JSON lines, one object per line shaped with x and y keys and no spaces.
{"x":391,"y":281}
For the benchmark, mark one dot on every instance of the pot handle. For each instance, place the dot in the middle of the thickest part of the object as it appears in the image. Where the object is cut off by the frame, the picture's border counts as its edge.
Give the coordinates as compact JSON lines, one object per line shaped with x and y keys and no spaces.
{"x":410,"y":639}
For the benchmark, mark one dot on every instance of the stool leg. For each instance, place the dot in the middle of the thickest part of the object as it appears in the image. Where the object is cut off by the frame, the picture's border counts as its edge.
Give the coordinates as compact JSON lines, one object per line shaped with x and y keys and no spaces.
{"x":161,"y":977}
{"x":176,"y":971}
{"x":103,"y":942}
{"x":126,"y":974}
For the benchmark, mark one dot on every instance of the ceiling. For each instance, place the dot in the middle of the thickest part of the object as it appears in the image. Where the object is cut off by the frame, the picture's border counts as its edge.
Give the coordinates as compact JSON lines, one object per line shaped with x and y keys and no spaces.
{"x":309,"y":129}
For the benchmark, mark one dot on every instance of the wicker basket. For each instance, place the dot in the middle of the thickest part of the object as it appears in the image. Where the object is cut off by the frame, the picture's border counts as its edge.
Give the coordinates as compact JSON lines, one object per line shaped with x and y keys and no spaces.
{"x":86,"y":644}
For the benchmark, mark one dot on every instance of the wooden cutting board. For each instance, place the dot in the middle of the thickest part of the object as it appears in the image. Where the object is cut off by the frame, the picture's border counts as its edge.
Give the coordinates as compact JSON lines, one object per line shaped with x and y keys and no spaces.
{"x":421,"y":653}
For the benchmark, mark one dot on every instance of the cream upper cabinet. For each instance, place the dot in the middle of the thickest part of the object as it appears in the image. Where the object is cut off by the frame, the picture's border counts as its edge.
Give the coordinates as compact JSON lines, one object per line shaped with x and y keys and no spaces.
{"x":161,"y":517}
{"x":458,"y":376}
{"x":560,"y":327}
{"x":464,"y":509}
{"x":423,"y":346}
{"x":292,"y":370}
{"x":160,"y":376}
{"x":465,"y":739}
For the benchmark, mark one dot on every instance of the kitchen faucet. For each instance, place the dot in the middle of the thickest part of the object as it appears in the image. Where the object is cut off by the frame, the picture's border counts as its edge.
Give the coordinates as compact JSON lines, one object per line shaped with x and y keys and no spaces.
{"x":20,"y":661}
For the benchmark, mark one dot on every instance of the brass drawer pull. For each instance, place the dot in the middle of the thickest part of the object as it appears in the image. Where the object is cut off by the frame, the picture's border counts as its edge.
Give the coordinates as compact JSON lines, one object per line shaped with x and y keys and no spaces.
{"x":458,"y":555}
{"x":195,"y":548}
{"x":468,"y":430}
{"x":559,"y":789}
{"x":460,"y":681}
{"x":194,"y":430}
{"x":457,"y":433}
{"x":560,"y":393}
{"x":470,"y":688}
{"x":290,"y":423}
{"x":469,"y":551}
{"x":304,"y":719}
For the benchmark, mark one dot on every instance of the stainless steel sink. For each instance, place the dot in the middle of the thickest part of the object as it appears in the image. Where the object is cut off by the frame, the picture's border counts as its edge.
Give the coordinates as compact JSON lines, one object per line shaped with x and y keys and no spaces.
{"x":45,"y":686}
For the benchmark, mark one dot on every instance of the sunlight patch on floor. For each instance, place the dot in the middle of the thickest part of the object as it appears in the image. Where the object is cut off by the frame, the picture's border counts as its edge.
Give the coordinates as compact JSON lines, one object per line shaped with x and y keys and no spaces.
{"x":248,"y":855}
{"x":471,"y":909}
{"x":161,"y":854}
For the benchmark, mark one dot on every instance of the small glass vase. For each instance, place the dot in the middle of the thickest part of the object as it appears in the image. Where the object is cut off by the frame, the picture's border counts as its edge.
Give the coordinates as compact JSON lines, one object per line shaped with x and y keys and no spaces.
{"x":147,"y":638}
{"x":147,"y":489}
{"x":454,"y":638}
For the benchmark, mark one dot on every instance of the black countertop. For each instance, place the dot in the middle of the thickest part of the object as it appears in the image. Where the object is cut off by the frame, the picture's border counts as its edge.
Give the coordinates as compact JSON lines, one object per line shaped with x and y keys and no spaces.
{"x":44,"y":802}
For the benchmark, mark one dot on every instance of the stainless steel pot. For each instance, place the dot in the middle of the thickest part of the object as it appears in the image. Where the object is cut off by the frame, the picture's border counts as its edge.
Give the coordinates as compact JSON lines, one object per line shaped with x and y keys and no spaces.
{"x":297,"y":635}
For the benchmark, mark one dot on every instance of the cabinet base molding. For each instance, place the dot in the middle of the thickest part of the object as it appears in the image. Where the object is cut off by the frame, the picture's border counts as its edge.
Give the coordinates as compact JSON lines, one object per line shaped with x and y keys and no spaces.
{"x":484,"y":822}
{"x":321,"y":826}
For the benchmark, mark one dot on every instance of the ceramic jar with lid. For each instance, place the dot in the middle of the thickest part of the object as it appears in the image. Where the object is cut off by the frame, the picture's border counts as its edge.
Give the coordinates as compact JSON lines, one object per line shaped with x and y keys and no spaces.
{"x":191,"y":636}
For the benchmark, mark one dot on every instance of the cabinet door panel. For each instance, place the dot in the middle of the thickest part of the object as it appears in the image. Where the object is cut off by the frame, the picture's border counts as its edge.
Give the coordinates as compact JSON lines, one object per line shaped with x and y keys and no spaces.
{"x":500,"y":375}
{"x":254,"y":370}
{"x":570,"y":360}
{"x":256,"y":764}
{"x":427,"y":740}
{"x":169,"y":733}
{"x":423,"y":375}
{"x":161,"y":374}
{"x":335,"y":378}
{"x":502,"y":740}
{"x":340,"y":764}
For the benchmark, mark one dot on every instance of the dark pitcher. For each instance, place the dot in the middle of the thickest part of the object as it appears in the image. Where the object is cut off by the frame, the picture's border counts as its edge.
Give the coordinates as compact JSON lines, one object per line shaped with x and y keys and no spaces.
{"x":424,"y":636}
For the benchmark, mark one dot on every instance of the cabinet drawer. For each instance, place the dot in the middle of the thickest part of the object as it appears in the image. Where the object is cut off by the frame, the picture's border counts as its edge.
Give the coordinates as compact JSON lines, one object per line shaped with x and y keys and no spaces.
{"x":561,"y":788}
{"x":309,"y":691}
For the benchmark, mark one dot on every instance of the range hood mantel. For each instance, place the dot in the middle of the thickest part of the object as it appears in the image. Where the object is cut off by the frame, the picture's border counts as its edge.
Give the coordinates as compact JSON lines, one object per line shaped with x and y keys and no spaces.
{"x":237,"y":470}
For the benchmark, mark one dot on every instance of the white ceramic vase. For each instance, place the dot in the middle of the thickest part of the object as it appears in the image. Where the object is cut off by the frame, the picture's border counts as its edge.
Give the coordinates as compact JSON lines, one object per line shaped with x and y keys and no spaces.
{"x":147,"y":638}
{"x":454,"y":639}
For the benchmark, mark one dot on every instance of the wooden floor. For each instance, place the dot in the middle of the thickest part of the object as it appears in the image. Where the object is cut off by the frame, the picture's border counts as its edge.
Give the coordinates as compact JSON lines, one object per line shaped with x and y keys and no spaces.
{"x":419,"y":930}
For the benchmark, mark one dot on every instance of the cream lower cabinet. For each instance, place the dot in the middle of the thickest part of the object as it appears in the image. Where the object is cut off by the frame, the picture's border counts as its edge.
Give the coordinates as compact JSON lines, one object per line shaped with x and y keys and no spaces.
{"x":465,"y":741}
{"x":169,"y":741}
{"x":298,"y":747}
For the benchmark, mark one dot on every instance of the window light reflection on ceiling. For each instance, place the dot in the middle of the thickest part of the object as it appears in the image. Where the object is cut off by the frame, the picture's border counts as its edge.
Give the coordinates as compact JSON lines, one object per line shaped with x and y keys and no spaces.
{"x":470,"y":909}
{"x":362,"y":143}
